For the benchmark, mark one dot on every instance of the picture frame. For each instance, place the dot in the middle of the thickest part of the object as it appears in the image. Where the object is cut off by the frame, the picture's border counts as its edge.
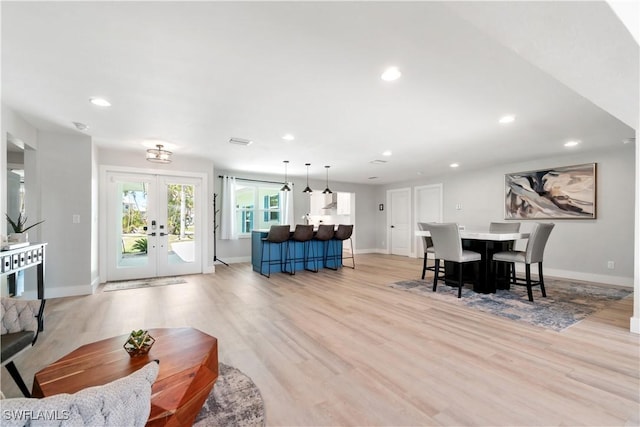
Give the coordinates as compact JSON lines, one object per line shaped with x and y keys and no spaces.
{"x":566,"y":192}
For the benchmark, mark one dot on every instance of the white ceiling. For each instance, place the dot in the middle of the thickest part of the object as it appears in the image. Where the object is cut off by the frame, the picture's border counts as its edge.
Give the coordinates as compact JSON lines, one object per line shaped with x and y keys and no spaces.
{"x":196,"y":74}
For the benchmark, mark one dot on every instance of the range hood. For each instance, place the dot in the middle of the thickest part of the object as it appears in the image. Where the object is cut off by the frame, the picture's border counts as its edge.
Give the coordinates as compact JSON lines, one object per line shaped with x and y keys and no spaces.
{"x":333,"y":204}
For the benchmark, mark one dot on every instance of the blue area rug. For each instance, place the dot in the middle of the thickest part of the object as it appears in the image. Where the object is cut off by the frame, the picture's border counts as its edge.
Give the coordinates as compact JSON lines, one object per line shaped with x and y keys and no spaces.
{"x":566,"y":303}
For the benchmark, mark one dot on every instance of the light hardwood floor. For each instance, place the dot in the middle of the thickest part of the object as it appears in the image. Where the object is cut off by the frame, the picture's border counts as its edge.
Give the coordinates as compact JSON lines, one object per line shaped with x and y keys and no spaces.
{"x":343,"y":348}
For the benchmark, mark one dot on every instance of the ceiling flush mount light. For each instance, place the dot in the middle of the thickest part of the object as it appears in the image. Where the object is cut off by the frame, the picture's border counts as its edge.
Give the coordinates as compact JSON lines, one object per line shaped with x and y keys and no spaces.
{"x":570,"y":144}
{"x":454,"y":165}
{"x":391,"y":74}
{"x":158,"y":154}
{"x":387,"y":153}
{"x":326,"y":190}
{"x":240,"y":141}
{"x":307,"y":189}
{"x":81,"y":126}
{"x":288,"y":137}
{"x":100,"y":102}
{"x":285,"y":187}
{"x":507,"y":119}
{"x":378,"y":162}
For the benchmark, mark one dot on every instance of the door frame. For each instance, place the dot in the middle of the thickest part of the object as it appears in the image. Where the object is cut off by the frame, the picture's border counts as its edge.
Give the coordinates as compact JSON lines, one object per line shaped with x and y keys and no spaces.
{"x":103,"y":213}
{"x":416,"y":239}
{"x":390,"y":209}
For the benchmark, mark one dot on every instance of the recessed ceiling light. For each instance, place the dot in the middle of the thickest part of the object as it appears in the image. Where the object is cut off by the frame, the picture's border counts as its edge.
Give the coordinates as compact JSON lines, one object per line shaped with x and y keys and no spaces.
{"x":507,"y":119}
{"x":100,"y":102}
{"x":288,"y":137}
{"x":454,"y":165}
{"x":391,"y":74}
{"x":387,"y":153}
{"x":571,"y":143}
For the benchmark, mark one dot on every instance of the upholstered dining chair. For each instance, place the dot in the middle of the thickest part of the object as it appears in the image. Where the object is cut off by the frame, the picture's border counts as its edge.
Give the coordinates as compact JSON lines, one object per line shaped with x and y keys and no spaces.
{"x":278,"y":235}
{"x":19,"y":320}
{"x":534,"y":253}
{"x":448,"y":247}
{"x":427,"y":245}
{"x":504,"y":227}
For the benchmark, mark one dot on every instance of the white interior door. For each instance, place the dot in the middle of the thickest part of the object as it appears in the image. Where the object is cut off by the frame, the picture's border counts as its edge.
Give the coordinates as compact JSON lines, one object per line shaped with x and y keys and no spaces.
{"x":428,"y":208}
{"x":153,"y":226}
{"x":398,"y":218}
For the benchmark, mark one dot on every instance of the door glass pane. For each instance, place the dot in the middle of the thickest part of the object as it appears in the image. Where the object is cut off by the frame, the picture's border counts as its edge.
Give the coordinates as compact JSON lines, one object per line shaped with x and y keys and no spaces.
{"x":181,"y":223}
{"x":132,"y":250}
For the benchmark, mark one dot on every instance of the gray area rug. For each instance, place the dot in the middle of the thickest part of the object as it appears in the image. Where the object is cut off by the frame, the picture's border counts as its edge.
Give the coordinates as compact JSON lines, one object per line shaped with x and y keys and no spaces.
{"x":146,"y":283}
{"x":566,"y":303}
{"x":234,"y":401}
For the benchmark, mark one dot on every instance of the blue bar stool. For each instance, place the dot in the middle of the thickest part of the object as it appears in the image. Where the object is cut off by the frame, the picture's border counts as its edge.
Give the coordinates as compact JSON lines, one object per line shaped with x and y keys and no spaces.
{"x":278,"y":235}
{"x":324,"y":234}
{"x":302,"y":234}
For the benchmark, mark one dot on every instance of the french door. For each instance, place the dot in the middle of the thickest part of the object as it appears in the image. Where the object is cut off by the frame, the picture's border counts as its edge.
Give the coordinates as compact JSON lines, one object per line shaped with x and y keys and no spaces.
{"x":154,"y":225}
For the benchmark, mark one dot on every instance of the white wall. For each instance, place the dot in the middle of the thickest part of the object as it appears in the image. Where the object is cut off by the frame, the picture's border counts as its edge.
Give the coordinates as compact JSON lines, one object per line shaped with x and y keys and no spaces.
{"x":577,"y":249}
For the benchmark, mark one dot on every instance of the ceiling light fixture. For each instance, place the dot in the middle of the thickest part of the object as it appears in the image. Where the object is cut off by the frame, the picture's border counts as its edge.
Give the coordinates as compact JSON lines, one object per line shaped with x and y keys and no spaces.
{"x":378,"y":162}
{"x":507,"y":119}
{"x":570,"y":144}
{"x":288,"y":137}
{"x":100,"y":102}
{"x":307,"y":189}
{"x":158,"y":155}
{"x":240,"y":141}
{"x":80,"y":126}
{"x":387,"y":153}
{"x":454,"y":165}
{"x":285,"y":187}
{"x":391,"y":74}
{"x":326,"y":190}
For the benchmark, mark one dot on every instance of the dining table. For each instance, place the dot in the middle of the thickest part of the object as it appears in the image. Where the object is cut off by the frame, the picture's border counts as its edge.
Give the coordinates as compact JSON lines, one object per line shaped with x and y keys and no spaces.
{"x":487,"y":279}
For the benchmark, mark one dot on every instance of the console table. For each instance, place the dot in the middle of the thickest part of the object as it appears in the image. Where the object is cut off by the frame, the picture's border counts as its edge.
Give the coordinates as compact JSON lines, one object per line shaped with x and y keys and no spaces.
{"x":15,"y":260}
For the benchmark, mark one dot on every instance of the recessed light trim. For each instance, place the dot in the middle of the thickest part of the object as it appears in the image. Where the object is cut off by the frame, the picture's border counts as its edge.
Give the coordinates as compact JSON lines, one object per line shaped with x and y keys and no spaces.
{"x":508,"y":118}
{"x":570,"y":144}
{"x":81,"y":126}
{"x":288,"y":137}
{"x":391,"y":74}
{"x":454,"y":165}
{"x":387,"y":153}
{"x":100,"y":102}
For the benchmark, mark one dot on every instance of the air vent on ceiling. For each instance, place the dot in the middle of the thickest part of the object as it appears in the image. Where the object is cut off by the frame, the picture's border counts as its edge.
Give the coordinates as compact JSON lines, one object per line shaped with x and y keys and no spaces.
{"x":240,"y":141}
{"x":378,"y":162}
{"x":373,"y":177}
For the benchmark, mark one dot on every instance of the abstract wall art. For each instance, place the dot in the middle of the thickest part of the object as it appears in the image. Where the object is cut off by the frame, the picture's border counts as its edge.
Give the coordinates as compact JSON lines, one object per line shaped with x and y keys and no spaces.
{"x":567,"y":192}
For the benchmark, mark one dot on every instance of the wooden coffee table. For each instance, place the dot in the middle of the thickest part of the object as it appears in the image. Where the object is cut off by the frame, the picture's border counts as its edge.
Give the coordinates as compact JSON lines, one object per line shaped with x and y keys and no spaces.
{"x":188,"y":369}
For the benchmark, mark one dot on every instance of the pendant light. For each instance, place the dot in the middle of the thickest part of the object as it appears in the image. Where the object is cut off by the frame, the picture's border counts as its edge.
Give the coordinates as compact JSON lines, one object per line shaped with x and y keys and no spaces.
{"x":159,"y":154}
{"x":308,"y":189}
{"x":326,"y":190}
{"x":285,"y":187}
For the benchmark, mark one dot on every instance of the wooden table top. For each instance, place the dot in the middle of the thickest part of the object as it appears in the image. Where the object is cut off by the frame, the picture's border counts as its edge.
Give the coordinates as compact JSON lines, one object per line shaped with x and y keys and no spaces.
{"x":188,"y":369}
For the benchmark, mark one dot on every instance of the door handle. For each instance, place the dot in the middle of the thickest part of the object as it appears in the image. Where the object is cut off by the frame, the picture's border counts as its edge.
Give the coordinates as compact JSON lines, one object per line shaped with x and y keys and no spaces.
{"x":163,"y":234}
{"x":152,"y":234}
{"x":393,"y":226}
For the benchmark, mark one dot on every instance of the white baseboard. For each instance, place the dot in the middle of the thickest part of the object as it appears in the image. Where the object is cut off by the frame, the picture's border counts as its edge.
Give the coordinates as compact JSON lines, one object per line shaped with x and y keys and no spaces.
{"x":62,"y":291}
{"x":634,"y":325}
{"x":589,"y":277}
{"x":209,"y":269}
{"x":237,"y":260}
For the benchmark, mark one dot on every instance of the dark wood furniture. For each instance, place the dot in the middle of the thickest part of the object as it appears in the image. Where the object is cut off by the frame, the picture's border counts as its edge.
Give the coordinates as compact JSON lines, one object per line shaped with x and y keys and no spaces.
{"x":188,"y":370}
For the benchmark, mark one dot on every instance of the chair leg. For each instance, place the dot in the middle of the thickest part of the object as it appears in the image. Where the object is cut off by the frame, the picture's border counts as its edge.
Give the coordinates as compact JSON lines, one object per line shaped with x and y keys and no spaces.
{"x":262,"y":261}
{"x":513,"y":274}
{"x":306,"y":253}
{"x":459,"y":279}
{"x":528,"y":273}
{"x":326,"y":257}
{"x":544,"y":292}
{"x":11,"y":367}
{"x":424,"y":265}
{"x":435,"y":276}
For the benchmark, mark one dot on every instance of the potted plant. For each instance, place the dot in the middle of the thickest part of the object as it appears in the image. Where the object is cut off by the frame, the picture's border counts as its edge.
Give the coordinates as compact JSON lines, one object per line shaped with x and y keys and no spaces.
{"x":139,"y":343}
{"x":19,"y":228}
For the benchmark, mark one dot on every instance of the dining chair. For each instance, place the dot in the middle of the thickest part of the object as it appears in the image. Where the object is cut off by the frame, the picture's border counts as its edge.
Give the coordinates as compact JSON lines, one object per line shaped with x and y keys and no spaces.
{"x":427,"y":245}
{"x":278,"y":235}
{"x":448,"y":247}
{"x":504,"y":227}
{"x":533,"y":254}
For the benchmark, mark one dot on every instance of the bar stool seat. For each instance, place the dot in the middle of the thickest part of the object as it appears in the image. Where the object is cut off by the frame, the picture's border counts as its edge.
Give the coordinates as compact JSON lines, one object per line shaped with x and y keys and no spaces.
{"x":302,"y":234}
{"x":278,"y":235}
{"x":325,"y":234}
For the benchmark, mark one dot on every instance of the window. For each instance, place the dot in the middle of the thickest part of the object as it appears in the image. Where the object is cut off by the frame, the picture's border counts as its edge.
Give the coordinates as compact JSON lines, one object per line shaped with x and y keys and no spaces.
{"x":257,"y":206}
